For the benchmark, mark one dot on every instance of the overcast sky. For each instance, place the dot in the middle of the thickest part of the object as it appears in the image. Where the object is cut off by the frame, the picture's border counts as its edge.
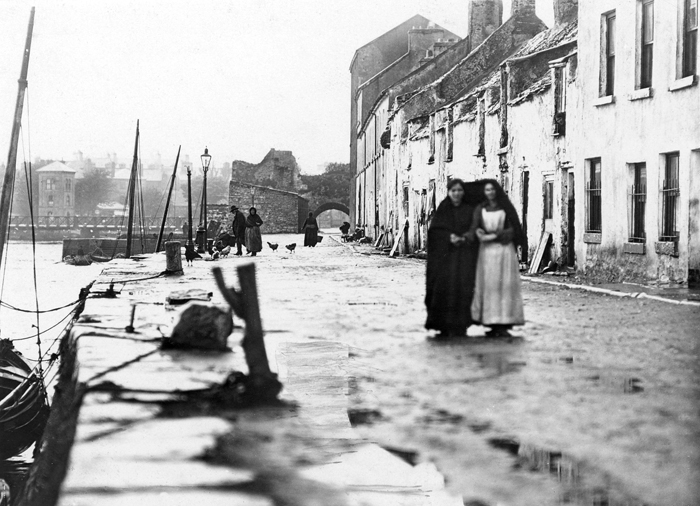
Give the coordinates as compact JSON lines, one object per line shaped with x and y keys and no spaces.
{"x":238,"y":76}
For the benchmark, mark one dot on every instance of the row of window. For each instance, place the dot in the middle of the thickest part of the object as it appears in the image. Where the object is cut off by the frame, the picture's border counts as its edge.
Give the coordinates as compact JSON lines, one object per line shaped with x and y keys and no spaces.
{"x":51,"y":202}
{"x":688,"y":47}
{"x":669,"y":196}
{"x":50,"y":184}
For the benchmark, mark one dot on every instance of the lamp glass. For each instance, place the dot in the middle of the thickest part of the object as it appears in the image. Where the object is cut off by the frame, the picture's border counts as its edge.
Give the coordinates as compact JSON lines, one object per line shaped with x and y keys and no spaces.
{"x":206,"y":159}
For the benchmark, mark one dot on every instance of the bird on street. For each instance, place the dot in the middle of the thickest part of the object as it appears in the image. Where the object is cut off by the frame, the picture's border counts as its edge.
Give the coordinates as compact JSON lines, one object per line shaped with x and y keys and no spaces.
{"x":191,"y":254}
{"x":225,"y":251}
{"x":291,"y":247}
{"x":273,"y":246}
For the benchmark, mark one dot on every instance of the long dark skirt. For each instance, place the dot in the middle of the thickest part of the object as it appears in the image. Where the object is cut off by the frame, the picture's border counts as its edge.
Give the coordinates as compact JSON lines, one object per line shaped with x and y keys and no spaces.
{"x":253,"y":239}
{"x":450,"y":288}
{"x":310,"y":237}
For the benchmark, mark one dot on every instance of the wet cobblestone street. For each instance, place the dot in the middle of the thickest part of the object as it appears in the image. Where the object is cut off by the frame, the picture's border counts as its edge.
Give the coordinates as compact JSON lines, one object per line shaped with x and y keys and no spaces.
{"x":595,"y":402}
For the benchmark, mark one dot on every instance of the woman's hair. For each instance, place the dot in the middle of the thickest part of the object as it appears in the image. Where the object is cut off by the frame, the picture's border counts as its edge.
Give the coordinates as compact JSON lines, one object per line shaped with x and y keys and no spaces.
{"x":454,"y":182}
{"x":253,"y":209}
{"x":507,"y":206}
{"x":501,"y":196}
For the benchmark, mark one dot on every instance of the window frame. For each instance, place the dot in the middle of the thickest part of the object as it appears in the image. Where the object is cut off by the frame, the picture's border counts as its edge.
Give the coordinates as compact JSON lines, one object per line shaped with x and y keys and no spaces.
{"x":670,"y":198}
{"x":689,"y":40}
{"x":594,"y":201}
{"x":636,"y":232}
{"x":607,"y":54}
{"x":646,"y":46}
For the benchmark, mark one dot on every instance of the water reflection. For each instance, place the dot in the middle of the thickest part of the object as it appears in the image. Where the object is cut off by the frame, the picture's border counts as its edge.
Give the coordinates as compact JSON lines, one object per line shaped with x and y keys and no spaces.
{"x":582,"y":485}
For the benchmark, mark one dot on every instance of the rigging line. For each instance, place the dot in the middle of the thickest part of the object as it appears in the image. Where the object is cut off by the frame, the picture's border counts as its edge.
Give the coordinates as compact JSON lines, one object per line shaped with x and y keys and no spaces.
{"x":21,"y":310}
{"x":45,"y":330}
{"x":28,"y":177}
{"x":122,"y":365}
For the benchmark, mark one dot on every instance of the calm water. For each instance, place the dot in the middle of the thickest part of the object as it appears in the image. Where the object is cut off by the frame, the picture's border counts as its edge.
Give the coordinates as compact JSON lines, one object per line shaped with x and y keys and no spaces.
{"x":58,"y":284}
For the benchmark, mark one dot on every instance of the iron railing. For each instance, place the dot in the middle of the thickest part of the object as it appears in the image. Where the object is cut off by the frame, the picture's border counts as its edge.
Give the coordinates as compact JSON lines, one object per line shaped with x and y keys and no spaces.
{"x":594,"y":207}
{"x":637,"y":207}
{"x":100,"y":222}
{"x":669,"y":210}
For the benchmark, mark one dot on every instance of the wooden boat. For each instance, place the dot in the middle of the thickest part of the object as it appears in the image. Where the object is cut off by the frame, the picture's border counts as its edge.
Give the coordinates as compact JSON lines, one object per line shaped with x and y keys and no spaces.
{"x":24,"y":409}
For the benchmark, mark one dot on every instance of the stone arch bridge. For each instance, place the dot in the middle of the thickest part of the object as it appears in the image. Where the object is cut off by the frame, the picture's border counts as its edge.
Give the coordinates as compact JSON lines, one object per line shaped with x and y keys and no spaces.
{"x":331,"y":205}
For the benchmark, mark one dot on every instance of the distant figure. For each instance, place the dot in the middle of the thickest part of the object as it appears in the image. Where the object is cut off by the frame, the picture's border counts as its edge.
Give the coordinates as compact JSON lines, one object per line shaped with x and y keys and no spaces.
{"x":345,"y":229}
{"x":238,"y":228}
{"x":498,"y":301}
{"x":452,"y":261}
{"x":310,"y":229}
{"x":185,"y":229}
{"x":253,"y":239}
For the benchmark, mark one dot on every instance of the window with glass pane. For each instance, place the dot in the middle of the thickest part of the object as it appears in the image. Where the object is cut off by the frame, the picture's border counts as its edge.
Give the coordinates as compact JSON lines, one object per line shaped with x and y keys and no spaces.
{"x":593,"y":192}
{"x":610,"y":55}
{"x":670,"y":195}
{"x":647,"y":40}
{"x":548,"y":200}
{"x":638,"y":199}
{"x":690,"y":38}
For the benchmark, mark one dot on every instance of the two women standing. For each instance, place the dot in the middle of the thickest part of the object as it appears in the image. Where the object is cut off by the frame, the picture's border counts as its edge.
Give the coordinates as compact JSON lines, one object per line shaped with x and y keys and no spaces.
{"x":472,"y":273}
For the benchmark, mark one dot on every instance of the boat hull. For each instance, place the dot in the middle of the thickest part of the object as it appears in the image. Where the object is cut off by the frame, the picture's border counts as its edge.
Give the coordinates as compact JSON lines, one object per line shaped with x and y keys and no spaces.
{"x":24,"y":409}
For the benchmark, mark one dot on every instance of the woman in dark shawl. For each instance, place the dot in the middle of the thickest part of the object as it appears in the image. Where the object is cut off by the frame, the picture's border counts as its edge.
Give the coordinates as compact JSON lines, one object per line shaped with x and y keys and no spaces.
{"x":452,"y":261}
{"x":253,"y":239}
{"x":497,"y":302}
{"x":310,"y":229}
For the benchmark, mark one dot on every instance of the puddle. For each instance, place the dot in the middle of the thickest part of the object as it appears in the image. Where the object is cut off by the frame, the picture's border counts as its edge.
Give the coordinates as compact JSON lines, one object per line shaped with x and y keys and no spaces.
{"x":582,"y":485}
{"x":364,"y":416}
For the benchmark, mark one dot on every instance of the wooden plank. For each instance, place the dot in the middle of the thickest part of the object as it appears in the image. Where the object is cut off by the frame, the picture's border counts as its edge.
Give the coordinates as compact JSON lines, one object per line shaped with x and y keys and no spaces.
{"x":379,"y":240}
{"x":539,"y":253}
{"x":398,"y":239}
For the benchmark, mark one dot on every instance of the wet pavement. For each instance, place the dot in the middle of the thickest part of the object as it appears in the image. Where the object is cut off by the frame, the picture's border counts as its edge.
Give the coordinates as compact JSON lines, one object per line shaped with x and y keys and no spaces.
{"x":595,"y":402}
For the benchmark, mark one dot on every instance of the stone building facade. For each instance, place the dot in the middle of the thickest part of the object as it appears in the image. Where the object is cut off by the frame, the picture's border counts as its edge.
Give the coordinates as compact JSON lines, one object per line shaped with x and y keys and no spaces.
{"x":278,"y":169}
{"x":281,"y":211}
{"x":56,"y":190}
{"x":520,"y":108}
{"x":637,"y":149}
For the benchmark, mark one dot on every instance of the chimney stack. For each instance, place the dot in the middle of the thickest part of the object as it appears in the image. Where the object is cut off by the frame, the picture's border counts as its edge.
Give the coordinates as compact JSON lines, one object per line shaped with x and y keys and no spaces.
{"x":485,"y":16}
{"x":565,"y":11}
{"x":522,"y":7}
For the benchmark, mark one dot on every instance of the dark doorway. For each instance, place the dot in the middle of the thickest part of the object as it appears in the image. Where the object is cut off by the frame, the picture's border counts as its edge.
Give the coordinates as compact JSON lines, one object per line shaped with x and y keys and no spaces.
{"x":526,"y":193}
{"x":571,"y":220}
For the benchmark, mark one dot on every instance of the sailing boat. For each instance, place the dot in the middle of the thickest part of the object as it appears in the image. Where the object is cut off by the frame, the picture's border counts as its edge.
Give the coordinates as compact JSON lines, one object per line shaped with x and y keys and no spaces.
{"x":24,"y":408}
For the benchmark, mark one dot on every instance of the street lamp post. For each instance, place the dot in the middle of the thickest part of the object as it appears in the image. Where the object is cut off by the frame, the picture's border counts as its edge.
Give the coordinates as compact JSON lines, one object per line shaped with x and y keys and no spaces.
{"x":190,"y":244}
{"x":206,"y":160}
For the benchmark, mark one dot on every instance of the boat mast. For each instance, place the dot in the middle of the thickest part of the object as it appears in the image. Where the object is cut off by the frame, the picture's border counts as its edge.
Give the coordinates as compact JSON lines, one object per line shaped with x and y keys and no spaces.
{"x":132,"y":190}
{"x":9,"y":182}
{"x":167,"y":201}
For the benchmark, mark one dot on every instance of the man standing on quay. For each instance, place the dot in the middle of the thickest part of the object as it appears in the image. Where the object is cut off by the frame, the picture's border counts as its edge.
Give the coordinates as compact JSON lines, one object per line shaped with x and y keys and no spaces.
{"x":238,"y":228}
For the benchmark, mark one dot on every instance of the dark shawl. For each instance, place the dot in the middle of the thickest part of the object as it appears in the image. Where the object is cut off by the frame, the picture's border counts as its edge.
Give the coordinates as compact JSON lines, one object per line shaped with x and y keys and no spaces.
{"x":451,"y":269}
{"x":310,"y":232}
{"x":253,"y":220}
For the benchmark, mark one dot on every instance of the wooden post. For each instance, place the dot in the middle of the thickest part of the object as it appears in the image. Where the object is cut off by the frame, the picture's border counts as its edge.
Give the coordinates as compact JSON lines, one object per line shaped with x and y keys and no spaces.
{"x":262,"y":383}
{"x":173,"y":257}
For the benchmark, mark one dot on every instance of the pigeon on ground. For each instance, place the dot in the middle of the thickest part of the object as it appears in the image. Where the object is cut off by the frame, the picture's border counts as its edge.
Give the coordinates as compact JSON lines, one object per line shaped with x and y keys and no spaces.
{"x":273,"y":246}
{"x":225,"y":251}
{"x":291,"y":247}
{"x":191,"y":254}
